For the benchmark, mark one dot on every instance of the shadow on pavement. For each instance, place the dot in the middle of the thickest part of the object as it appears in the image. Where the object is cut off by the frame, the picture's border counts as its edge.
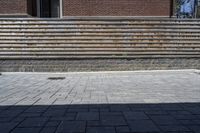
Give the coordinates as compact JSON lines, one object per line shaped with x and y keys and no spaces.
{"x":101,"y":118}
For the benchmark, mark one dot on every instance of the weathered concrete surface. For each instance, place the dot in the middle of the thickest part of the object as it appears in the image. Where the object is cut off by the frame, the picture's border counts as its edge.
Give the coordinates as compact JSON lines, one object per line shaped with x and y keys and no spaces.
{"x":104,"y":102}
{"x":86,"y":65}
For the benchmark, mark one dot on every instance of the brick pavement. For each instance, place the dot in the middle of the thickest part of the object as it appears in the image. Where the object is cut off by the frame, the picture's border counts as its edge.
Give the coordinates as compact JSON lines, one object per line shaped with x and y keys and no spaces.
{"x":103,"y":102}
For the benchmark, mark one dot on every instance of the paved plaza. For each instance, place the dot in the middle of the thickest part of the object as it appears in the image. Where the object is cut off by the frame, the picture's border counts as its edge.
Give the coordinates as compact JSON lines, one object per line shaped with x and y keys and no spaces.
{"x":100,"y":102}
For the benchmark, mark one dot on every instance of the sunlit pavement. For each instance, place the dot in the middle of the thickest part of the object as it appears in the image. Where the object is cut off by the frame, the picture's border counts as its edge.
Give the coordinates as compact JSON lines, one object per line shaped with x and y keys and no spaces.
{"x":100,"y":102}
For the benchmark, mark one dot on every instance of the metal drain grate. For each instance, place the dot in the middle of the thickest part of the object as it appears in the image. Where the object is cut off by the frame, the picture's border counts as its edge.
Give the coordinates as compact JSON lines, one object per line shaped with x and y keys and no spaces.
{"x":56,"y":78}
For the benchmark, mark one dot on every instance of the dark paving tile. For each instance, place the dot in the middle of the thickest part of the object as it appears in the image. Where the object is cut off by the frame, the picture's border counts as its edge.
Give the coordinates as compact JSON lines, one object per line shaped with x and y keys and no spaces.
{"x":122,"y":129}
{"x":109,"y":119}
{"x":66,"y":117}
{"x":100,"y":106}
{"x":93,"y":110}
{"x":194,"y":110}
{"x":171,"y":107}
{"x":33,"y":122}
{"x":52,"y":123}
{"x":195,"y":128}
{"x":7,"y":127}
{"x":185,"y":117}
{"x":57,"y":107}
{"x":164,"y":120}
{"x":190,"y":105}
{"x":115,"y":108}
{"x":28,"y":114}
{"x":140,"y":107}
{"x":72,"y":126}
{"x":54,"y":112}
{"x":156,"y":112}
{"x":197,"y":122}
{"x":87,"y":116}
{"x":18,"y":119}
{"x":26,"y":130}
{"x":94,"y":123}
{"x":2,"y":108}
{"x":10,"y":113}
{"x":143,"y":126}
{"x":174,"y":128}
{"x":18,"y":108}
{"x":78,"y":109}
{"x":6,"y":119}
{"x":135,"y":116}
{"x":48,"y":130}
{"x":180,"y":112}
{"x":37,"y":109}
{"x":189,"y":122}
{"x":104,"y":110}
{"x":111,"y":113}
{"x":112,"y":120}
{"x":100,"y":130}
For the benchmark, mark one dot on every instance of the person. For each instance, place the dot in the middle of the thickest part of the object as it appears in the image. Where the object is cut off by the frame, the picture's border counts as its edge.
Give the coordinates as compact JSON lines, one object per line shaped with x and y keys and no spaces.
{"x":187,"y":8}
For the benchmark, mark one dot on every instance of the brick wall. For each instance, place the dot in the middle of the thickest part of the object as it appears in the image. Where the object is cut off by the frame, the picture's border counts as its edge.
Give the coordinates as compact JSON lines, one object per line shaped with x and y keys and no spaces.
{"x":116,"y":7}
{"x":94,"y":7}
{"x":13,"y":7}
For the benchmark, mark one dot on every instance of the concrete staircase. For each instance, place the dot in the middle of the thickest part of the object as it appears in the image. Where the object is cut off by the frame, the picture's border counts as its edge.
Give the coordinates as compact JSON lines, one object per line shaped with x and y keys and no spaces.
{"x":62,"y":39}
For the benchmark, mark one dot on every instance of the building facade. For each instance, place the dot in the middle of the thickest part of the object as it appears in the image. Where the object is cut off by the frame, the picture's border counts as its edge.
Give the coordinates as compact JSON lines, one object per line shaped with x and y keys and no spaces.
{"x":66,"y":8}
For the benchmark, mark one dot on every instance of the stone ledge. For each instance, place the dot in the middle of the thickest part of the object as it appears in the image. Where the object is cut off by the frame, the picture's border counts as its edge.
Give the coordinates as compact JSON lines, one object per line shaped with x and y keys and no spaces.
{"x":99,"y":18}
{"x":98,"y":65}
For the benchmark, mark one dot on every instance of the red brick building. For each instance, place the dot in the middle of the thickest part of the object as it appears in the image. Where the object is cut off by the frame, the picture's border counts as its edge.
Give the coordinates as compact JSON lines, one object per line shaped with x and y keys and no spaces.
{"x":66,"y":8}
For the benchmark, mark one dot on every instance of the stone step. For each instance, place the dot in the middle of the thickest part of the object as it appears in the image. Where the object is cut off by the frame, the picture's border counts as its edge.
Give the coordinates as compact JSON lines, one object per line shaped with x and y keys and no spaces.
{"x":100,"y":31}
{"x":160,"y":46}
{"x":177,"y":52}
{"x":85,"y":19}
{"x":60,"y":57}
{"x":99,"y":27}
{"x":140,"y":34}
{"x":93,"y":39}
{"x":138,"y":38}
{"x":26,"y":49}
{"x":106,"y":21}
{"x":99,"y":42}
{"x":96,"y":26}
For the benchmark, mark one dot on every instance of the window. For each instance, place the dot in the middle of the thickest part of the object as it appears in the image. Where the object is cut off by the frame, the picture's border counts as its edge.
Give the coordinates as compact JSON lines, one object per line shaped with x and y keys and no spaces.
{"x":49,"y":8}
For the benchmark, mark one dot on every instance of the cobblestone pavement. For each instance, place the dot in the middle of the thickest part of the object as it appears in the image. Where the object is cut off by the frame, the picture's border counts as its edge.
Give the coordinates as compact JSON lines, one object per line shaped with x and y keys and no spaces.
{"x":104,"y":102}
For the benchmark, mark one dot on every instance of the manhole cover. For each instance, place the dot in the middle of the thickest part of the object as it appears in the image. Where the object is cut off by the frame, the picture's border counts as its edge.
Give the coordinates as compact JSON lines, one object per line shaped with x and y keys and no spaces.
{"x":56,"y":78}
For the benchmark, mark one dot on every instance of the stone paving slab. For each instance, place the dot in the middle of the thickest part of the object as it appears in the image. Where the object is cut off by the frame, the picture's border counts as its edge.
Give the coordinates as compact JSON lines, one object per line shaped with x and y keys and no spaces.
{"x":100,"y":102}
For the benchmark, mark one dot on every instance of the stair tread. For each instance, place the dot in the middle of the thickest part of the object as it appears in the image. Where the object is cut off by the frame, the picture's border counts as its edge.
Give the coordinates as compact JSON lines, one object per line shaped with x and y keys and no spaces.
{"x":98,"y":57}
{"x":98,"y":27}
{"x":98,"y":42}
{"x":114,"y":38}
{"x":96,"y":49}
{"x":99,"y":38}
{"x":97,"y":52}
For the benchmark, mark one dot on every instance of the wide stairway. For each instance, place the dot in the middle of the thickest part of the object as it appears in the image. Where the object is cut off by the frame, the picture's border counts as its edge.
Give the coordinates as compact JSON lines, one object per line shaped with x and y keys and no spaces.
{"x":63,"y":39}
